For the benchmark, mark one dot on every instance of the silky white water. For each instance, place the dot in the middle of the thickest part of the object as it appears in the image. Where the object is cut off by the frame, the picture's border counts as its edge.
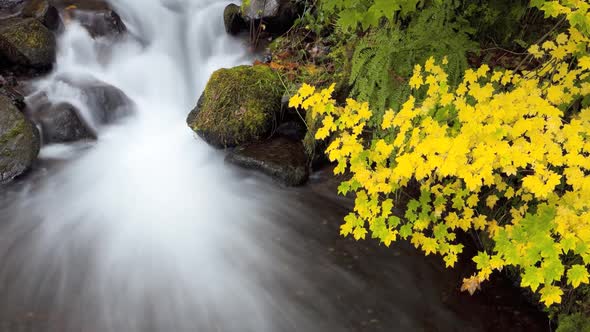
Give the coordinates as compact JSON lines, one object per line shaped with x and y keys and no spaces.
{"x":147,"y":229}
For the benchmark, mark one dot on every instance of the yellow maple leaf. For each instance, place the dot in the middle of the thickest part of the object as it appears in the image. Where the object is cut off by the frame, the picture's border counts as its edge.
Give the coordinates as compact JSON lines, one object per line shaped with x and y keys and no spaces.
{"x":551,"y":294}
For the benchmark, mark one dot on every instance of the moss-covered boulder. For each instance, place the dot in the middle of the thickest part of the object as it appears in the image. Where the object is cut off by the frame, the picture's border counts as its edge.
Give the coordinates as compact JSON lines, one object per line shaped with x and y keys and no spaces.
{"x":238,"y":106}
{"x":27,"y":42}
{"x":19,"y":141}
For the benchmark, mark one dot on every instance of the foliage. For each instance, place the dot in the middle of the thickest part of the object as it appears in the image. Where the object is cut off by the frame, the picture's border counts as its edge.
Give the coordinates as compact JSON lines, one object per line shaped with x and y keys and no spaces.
{"x":383,"y":61}
{"x":367,"y":13}
{"x":503,"y":154}
{"x":574,"y":323}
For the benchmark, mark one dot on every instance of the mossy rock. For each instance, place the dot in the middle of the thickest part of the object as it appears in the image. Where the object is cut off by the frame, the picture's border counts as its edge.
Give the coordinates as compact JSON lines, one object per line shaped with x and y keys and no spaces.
{"x":27,"y":42}
{"x":233,"y":20}
{"x":44,"y":12}
{"x":238,"y":106}
{"x":19,"y":141}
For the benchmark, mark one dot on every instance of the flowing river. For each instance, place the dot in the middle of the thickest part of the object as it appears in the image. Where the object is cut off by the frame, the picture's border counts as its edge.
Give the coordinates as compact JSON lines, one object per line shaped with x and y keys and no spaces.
{"x":147,"y":229}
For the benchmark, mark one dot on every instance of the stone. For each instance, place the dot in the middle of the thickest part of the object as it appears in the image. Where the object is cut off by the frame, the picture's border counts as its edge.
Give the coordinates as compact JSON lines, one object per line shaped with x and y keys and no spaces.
{"x":239,"y":105}
{"x":44,"y":12}
{"x":19,"y":141}
{"x":27,"y":42}
{"x":281,"y":158}
{"x":233,"y":20}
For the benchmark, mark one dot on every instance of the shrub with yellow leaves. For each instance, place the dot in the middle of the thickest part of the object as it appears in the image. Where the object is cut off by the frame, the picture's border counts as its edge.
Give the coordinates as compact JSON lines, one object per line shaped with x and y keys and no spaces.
{"x":503,"y":155}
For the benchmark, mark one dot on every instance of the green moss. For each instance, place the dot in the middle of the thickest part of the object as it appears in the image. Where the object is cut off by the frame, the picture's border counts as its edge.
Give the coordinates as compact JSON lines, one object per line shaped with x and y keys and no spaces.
{"x":574,"y":323}
{"x":239,"y":105}
{"x":16,"y":130}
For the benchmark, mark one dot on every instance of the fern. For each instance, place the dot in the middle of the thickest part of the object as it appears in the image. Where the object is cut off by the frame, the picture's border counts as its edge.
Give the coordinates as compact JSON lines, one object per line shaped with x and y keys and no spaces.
{"x":384,"y":60}
{"x":367,"y":13}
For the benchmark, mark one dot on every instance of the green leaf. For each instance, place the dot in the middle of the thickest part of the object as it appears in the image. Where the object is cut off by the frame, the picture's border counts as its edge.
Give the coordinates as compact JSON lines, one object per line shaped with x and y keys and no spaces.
{"x":532,"y":277}
{"x":577,"y":274}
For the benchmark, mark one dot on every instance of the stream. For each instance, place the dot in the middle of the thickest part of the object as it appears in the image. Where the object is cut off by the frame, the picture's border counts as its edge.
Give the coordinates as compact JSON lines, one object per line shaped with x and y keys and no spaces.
{"x":147,"y":229}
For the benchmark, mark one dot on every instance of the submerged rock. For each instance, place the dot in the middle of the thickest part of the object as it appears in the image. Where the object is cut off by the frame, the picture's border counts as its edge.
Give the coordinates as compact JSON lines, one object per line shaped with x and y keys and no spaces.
{"x":27,"y":42}
{"x":238,"y":106}
{"x":280,"y":158}
{"x":233,"y":20}
{"x":19,"y":141}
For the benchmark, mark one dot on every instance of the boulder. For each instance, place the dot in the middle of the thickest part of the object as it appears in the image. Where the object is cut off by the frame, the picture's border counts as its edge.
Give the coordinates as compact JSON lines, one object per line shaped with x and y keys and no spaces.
{"x":10,"y":8}
{"x":233,"y":20}
{"x":99,"y":22}
{"x":19,"y":141}
{"x":44,"y":12}
{"x":27,"y":42}
{"x":281,"y":158}
{"x":277,"y":15}
{"x":107,"y":103}
{"x":238,"y":106}
{"x":60,"y":123}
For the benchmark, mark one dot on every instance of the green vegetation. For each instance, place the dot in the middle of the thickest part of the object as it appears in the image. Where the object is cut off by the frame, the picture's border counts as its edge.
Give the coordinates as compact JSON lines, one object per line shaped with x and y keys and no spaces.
{"x":238,"y":105}
{"x":427,"y":114}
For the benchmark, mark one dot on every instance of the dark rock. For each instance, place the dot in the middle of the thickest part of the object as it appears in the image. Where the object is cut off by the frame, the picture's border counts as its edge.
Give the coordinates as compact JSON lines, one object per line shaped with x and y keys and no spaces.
{"x":277,"y":15}
{"x":238,"y":106}
{"x":61,"y":123}
{"x":233,"y":20}
{"x":44,"y":12}
{"x":293,"y":130}
{"x":280,"y":158}
{"x":99,"y":23}
{"x":15,"y":97}
{"x":10,"y":8}
{"x":19,"y":141}
{"x":27,"y":42}
{"x":107,"y":103}
{"x":81,"y":4}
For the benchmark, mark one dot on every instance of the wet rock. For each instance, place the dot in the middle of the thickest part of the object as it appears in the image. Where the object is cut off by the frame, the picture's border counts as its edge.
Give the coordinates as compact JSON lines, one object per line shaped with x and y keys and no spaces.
{"x":281,"y":158}
{"x":61,"y":123}
{"x":27,"y":42}
{"x":277,"y":15}
{"x":99,"y":22}
{"x":10,"y":8}
{"x":19,"y":141}
{"x":233,"y":20}
{"x":238,"y":106}
{"x":44,"y":12}
{"x":107,"y":103}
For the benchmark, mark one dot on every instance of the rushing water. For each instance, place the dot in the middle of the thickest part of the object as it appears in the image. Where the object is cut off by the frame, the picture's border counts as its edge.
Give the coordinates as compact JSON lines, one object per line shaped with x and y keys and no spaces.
{"x":148,"y":230}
